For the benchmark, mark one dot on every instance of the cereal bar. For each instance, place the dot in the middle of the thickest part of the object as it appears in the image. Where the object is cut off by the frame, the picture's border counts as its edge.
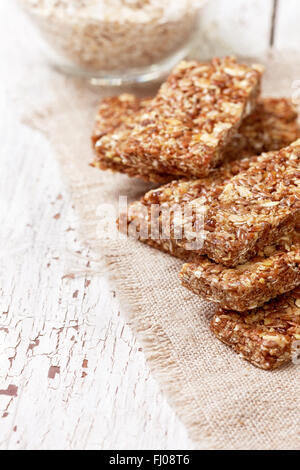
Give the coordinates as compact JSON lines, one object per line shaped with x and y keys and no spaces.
{"x":185,"y":129}
{"x":243,"y":214}
{"x":275,"y":271}
{"x":268,"y":337}
{"x":148,"y":225}
{"x":255,"y":209}
{"x":114,"y":123}
{"x":272,"y":125}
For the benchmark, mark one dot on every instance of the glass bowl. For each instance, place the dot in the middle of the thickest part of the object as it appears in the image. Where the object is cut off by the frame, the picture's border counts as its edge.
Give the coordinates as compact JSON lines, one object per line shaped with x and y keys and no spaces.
{"x":115,"y":42}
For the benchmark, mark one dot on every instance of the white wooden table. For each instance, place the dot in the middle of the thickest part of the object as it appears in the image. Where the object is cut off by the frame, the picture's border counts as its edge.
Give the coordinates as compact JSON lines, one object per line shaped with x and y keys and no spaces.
{"x":71,"y":374}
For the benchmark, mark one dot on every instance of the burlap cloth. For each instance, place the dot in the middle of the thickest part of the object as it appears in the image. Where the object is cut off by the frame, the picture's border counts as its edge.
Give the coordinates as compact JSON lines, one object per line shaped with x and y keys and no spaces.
{"x":224,"y":402}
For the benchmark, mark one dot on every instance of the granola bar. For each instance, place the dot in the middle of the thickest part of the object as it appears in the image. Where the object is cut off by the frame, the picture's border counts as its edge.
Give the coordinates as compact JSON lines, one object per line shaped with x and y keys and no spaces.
{"x":272,"y":125}
{"x":186,"y":127}
{"x":244,"y":213}
{"x":256,"y":208}
{"x":148,"y":225}
{"x":268,"y":336}
{"x":114,"y":122}
{"x":184,"y":130}
{"x":275,"y":271}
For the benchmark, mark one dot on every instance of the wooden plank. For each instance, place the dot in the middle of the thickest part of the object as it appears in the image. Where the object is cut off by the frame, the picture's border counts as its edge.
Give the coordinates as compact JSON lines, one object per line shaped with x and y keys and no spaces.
{"x":241,"y":27}
{"x":287,"y":28}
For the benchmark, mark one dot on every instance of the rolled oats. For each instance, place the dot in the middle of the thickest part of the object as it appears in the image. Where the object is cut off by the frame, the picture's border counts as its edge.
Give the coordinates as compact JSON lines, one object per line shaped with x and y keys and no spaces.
{"x":114,"y":35}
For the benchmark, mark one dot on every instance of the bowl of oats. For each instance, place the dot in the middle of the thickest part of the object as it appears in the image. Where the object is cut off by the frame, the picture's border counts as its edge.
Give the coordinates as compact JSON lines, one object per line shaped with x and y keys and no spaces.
{"x":115,"y":42}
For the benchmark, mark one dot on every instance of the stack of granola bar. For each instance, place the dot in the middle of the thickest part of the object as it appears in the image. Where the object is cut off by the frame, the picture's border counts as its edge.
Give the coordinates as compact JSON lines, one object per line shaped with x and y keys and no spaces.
{"x":230,"y":204}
